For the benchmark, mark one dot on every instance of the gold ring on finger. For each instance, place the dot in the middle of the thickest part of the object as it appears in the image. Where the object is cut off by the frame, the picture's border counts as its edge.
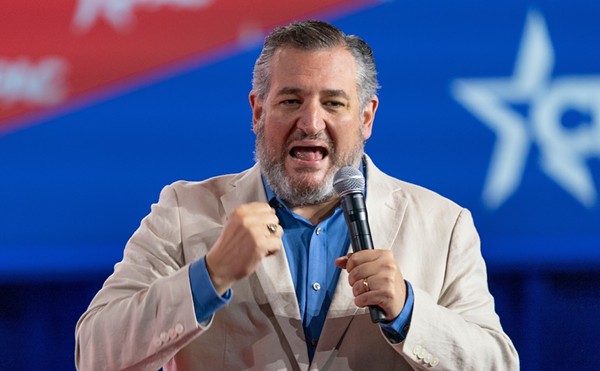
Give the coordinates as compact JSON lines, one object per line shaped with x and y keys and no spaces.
{"x":366,"y":284}
{"x":272,"y":228}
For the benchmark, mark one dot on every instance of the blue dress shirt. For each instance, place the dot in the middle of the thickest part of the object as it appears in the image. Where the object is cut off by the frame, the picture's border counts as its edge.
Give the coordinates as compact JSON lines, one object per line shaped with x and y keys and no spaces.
{"x":311,"y":251}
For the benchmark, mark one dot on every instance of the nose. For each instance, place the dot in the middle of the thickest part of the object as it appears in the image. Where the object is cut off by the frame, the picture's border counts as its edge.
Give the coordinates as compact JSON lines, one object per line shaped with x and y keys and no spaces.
{"x":312,"y":118}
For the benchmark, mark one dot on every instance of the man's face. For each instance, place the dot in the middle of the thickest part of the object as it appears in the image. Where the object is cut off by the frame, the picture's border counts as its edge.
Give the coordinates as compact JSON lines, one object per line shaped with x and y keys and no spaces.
{"x":310,"y":123}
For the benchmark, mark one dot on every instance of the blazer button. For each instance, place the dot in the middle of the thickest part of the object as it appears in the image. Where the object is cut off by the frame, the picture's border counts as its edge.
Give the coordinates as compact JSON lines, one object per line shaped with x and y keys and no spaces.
{"x":179,"y":328}
{"x":417,"y":349}
{"x":164,"y":337}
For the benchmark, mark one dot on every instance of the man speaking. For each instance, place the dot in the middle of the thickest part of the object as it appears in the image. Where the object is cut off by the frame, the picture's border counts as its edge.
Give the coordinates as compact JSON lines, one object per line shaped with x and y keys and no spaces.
{"x":254,"y":270}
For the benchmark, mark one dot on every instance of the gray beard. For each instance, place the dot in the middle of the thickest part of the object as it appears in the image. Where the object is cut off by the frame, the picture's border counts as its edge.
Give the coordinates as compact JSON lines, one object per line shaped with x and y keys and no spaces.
{"x":299,"y":193}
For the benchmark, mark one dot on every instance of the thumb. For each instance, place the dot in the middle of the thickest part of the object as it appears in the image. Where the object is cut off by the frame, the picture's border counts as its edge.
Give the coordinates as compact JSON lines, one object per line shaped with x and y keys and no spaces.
{"x":341,"y":262}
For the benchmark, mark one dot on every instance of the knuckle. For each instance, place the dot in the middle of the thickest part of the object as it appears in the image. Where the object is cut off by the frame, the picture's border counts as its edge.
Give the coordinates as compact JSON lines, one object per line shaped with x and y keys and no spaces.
{"x":358,"y":301}
{"x":387,"y":296}
{"x":352,"y":276}
{"x":388,"y":280}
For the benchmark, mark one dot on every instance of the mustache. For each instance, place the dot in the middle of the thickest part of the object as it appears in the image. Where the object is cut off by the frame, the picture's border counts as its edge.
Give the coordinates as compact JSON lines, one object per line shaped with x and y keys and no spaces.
{"x":321,"y":136}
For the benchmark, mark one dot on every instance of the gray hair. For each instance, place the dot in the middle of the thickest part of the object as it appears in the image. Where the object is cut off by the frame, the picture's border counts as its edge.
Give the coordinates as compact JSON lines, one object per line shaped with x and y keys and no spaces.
{"x":315,"y":35}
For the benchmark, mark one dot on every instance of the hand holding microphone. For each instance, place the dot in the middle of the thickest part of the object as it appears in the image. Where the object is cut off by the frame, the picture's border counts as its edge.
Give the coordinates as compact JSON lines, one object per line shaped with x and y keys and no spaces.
{"x":373,"y":274}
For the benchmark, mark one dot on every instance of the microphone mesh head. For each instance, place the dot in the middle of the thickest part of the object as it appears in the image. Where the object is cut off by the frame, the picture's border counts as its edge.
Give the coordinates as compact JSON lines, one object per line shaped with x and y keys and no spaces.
{"x":348,"y":180}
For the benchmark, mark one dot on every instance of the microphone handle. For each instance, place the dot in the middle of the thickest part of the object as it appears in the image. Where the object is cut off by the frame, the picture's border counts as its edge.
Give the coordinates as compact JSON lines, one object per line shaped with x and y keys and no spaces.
{"x":355,"y":213}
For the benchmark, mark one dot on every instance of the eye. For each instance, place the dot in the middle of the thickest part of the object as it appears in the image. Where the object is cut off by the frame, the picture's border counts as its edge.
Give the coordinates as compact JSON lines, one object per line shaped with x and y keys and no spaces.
{"x":290,"y":102}
{"x":334,"y":104}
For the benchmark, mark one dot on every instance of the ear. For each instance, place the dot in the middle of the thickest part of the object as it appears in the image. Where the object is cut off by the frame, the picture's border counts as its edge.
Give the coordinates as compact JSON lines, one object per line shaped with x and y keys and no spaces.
{"x":257,"y":109}
{"x":369,"y":116}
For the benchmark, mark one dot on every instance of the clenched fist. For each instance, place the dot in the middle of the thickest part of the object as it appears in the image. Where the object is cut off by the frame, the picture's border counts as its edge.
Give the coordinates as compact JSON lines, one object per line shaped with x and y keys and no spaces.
{"x":252,"y":232}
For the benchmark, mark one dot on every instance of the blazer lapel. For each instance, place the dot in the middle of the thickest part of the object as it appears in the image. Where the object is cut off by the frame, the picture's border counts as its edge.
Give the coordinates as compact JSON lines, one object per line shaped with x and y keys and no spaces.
{"x":271,"y":283}
{"x":386,"y":205}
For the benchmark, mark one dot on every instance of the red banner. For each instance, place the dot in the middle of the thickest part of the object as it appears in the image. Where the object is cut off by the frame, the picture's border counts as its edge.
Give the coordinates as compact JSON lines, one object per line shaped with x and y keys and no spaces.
{"x":57,"y":52}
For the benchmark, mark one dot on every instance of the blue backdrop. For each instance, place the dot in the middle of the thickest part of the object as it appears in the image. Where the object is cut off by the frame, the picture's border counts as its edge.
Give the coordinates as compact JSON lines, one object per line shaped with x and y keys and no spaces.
{"x":495,"y":105}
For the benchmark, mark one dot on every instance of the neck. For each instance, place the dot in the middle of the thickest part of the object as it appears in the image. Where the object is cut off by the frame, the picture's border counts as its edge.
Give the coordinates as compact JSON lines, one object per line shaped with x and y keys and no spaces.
{"x":319,"y":212}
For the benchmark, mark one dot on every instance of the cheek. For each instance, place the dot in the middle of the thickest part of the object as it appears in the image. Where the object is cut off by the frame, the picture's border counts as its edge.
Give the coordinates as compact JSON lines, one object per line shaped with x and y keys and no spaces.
{"x":346,"y":137}
{"x":274,"y":137}
{"x":278,"y":127}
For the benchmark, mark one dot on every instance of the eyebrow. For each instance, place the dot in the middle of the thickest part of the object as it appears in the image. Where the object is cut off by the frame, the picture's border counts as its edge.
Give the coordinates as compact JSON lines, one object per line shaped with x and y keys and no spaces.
{"x":336,"y":93}
{"x":326,"y":93}
{"x":288,"y":91}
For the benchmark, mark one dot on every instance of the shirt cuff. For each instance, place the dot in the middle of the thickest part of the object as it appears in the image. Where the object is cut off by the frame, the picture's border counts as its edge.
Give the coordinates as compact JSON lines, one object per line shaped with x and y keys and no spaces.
{"x":397,"y":329}
{"x":206,"y":299}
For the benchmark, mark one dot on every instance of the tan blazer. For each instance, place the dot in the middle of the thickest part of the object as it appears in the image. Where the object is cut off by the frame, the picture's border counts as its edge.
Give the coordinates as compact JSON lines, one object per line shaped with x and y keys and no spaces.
{"x":143,"y":317}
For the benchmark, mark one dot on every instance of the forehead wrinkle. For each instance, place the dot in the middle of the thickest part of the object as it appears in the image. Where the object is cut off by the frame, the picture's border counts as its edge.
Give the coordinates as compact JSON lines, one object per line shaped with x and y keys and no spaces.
{"x":325,"y":93}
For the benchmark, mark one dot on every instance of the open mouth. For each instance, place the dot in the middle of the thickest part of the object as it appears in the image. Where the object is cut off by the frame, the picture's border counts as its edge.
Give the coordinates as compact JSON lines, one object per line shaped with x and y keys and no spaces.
{"x":309,"y":153}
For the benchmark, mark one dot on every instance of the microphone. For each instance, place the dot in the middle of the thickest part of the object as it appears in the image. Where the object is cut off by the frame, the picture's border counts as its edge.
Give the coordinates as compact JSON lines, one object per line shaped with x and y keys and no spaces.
{"x":349,"y":184}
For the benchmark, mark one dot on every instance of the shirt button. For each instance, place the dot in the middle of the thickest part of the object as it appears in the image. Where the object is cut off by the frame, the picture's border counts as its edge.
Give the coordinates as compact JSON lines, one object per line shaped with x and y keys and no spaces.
{"x":318,"y":231}
{"x":314,"y":342}
{"x":316,"y":286}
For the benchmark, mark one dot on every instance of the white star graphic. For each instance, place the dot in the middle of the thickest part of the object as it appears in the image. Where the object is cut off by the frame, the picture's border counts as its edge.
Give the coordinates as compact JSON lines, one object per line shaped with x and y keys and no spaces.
{"x":563,"y":151}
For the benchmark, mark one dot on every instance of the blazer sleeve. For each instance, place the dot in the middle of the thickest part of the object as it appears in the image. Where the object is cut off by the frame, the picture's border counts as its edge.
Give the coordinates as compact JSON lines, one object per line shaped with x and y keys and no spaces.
{"x":144,"y":313}
{"x":459,"y":328}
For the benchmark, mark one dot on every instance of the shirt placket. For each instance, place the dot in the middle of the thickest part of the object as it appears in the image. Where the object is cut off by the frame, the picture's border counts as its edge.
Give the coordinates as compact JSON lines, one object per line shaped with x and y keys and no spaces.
{"x":317,"y":283}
